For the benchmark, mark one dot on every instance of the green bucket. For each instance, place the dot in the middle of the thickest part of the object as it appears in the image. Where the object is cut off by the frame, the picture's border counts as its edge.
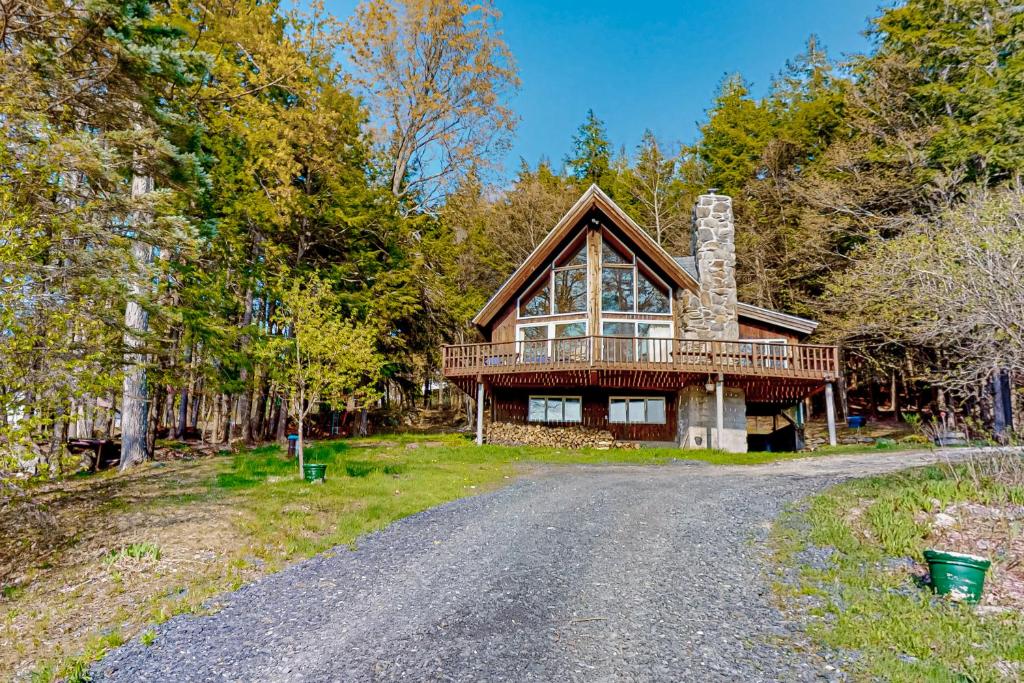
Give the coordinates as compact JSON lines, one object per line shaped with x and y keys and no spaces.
{"x":312,"y":471}
{"x":958,"y":575}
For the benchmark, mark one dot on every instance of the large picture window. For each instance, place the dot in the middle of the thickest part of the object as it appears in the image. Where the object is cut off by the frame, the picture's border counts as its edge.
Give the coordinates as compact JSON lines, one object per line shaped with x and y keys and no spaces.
{"x":628,"y":286}
{"x":628,"y":340}
{"x":555,"y":409}
{"x":636,"y":410}
{"x":562,"y":288}
{"x":570,"y":290}
{"x":553,"y":342}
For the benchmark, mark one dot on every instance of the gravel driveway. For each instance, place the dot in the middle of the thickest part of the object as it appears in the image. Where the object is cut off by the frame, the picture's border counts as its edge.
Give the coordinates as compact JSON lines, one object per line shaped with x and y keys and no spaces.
{"x":591,"y":573}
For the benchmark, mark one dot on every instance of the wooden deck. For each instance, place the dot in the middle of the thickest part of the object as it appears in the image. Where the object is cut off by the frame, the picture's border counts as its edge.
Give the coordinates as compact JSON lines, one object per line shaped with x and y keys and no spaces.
{"x":768,"y":373}
{"x":692,"y":357}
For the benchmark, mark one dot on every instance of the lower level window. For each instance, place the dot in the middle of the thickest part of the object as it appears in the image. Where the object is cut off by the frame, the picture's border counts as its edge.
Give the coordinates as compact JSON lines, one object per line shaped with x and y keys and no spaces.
{"x":639,"y":410}
{"x":555,"y":409}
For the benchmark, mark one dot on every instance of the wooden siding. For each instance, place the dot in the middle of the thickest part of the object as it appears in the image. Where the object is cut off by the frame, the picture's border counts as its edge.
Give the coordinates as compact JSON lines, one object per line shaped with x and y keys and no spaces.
{"x":510,"y":405}
{"x":753,"y":329}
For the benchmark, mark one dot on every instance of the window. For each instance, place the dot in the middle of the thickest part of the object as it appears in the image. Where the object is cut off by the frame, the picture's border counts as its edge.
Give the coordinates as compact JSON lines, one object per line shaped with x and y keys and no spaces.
{"x":568,"y":346}
{"x":639,"y":410}
{"x":553,"y":341}
{"x":628,"y":286}
{"x":535,"y":343}
{"x":617,"y":289}
{"x":765,"y":353}
{"x":555,"y":409}
{"x":646,"y":341}
{"x":618,"y":344}
{"x":650,"y":298}
{"x":562,"y":288}
{"x":611,"y":255}
{"x":537,"y":302}
{"x":571,"y":290}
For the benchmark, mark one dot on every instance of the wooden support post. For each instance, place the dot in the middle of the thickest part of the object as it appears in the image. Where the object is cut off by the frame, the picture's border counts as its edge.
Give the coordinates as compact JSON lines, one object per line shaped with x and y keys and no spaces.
{"x":479,"y":413}
{"x":719,"y":410}
{"x":830,"y":411}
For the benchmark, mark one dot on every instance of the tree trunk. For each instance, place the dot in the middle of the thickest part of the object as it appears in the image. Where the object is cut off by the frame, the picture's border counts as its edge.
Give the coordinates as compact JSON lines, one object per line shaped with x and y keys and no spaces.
{"x":58,"y":437}
{"x":216,"y":406}
{"x":282,"y":422}
{"x":196,"y":399}
{"x":300,"y":418}
{"x":134,"y":403}
{"x":894,"y":391}
{"x":154,"y":423}
{"x":260,"y":418}
{"x":227,"y":415}
{"x":245,"y":405}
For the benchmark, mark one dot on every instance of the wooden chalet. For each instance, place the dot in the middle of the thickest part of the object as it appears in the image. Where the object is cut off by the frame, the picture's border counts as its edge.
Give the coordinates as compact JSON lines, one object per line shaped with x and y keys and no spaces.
{"x":600,"y":327}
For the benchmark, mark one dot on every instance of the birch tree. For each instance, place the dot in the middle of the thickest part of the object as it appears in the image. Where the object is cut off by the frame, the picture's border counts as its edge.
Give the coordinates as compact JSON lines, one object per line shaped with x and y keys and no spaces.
{"x":659,"y":193}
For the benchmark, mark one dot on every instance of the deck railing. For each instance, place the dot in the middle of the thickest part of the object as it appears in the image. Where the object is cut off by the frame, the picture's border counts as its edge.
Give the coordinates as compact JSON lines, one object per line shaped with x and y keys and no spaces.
{"x":623,"y":353}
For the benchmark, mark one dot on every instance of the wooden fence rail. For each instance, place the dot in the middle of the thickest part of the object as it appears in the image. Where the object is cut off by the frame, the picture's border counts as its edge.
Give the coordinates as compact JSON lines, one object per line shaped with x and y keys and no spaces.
{"x":750,"y":358}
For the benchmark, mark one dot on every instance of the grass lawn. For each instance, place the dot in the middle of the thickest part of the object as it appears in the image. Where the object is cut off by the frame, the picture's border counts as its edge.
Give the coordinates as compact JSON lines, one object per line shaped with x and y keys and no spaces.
{"x":90,"y":561}
{"x":852,"y":564}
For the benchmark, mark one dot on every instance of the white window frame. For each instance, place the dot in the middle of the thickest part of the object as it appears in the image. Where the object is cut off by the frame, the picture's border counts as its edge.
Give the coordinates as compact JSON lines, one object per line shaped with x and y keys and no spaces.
{"x":636,"y":339}
{"x":549,"y":273}
{"x":551,"y":325}
{"x":645,"y":399}
{"x":549,"y":397}
{"x":768,"y":360}
{"x":636,"y":274}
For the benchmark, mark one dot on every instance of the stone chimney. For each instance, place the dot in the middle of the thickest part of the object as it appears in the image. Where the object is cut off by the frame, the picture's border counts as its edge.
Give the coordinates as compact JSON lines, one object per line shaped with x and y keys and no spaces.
{"x":713,"y":314}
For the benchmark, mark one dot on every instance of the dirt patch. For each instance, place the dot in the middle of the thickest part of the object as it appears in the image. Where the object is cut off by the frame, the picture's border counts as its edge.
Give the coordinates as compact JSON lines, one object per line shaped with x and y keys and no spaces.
{"x":73,"y":535}
{"x":992,"y":531}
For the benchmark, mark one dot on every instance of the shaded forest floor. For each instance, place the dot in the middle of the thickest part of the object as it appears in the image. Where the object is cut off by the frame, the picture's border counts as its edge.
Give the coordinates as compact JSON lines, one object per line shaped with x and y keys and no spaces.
{"x":92,"y":560}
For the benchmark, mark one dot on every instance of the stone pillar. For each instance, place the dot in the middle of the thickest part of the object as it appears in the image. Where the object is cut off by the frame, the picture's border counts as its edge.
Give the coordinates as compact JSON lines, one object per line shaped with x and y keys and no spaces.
{"x":712,"y":314}
{"x":698,"y":419}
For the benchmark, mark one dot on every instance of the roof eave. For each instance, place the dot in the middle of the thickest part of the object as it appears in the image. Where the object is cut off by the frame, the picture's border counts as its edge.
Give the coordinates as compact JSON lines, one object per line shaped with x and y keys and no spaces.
{"x":785,"y":320}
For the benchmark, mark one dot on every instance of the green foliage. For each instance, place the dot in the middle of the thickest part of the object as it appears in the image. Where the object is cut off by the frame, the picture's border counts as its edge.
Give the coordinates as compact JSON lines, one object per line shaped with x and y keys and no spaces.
{"x":734,"y":136}
{"x":144,"y":550}
{"x":898,"y":630}
{"x":591,"y":158}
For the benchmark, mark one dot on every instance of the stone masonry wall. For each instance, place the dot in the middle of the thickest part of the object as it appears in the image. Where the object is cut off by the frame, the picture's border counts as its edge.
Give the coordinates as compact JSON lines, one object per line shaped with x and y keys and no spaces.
{"x":712,"y":314}
{"x":697,"y":420}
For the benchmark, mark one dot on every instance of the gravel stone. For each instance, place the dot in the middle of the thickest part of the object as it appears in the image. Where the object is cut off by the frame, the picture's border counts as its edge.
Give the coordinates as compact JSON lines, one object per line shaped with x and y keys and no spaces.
{"x":580,"y":573}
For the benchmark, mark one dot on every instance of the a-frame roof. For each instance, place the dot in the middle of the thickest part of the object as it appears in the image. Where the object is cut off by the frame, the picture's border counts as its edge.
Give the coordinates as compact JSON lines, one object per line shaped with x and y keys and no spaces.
{"x":593,"y":198}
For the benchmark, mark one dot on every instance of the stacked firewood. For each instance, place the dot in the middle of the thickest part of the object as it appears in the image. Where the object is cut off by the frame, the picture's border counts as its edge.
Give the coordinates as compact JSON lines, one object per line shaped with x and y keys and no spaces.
{"x":562,"y":436}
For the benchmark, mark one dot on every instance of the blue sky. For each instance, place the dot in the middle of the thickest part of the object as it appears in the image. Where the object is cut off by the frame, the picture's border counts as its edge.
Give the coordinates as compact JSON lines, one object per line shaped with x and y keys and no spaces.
{"x":650,"y":63}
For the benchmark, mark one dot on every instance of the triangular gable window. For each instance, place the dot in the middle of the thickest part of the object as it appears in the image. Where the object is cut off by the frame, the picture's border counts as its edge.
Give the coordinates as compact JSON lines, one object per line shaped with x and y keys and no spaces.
{"x":576,"y":258}
{"x":650,"y":297}
{"x":612,"y":256}
{"x":627,"y":285}
{"x":537,"y":302}
{"x":563,"y":286}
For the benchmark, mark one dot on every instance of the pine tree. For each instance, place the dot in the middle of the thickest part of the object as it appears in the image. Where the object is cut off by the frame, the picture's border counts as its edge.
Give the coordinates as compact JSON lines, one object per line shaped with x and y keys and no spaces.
{"x":591,"y":158}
